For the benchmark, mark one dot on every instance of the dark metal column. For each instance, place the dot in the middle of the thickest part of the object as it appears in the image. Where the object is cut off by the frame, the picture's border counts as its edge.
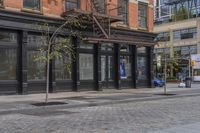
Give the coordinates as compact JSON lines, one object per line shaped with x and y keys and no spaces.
{"x":117,"y":66}
{"x":150,"y":64}
{"x":52,"y":78}
{"x":97,"y":67}
{"x":23,"y":87}
{"x":75,"y":66}
{"x":134,"y":65}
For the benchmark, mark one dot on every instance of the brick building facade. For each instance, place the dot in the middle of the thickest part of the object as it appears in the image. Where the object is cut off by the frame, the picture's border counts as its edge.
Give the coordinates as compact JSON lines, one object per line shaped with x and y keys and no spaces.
{"x":99,"y":61}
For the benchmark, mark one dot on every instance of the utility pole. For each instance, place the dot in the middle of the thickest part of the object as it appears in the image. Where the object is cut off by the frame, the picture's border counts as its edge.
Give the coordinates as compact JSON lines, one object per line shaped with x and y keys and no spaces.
{"x":171,"y":40}
{"x":165,"y":67}
{"x":189,"y":65}
{"x":165,"y":72}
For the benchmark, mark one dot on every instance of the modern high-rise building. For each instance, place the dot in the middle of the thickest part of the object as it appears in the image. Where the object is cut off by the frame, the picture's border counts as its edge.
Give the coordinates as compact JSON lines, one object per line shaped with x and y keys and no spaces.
{"x":173,"y":10}
{"x":116,"y":51}
{"x":177,"y":25}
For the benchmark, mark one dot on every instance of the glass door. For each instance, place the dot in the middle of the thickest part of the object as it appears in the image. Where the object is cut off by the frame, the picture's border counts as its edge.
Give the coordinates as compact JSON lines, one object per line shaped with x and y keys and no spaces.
{"x":107,"y":71}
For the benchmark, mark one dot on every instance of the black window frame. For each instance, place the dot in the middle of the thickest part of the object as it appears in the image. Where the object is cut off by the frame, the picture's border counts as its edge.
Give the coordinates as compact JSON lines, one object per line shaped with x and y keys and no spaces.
{"x":145,"y":17}
{"x":10,"y":44}
{"x":88,"y":51}
{"x":123,"y":10}
{"x":68,"y":59}
{"x":142,"y":54}
{"x":185,"y":33}
{"x":31,"y":48}
{"x":75,"y":3}
{"x":1,"y":3}
{"x":125,"y":50}
{"x":38,"y":7}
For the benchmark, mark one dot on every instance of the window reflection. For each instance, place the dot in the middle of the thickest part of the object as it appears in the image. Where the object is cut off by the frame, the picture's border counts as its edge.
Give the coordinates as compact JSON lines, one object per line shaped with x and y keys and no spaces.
{"x":36,"y":69}
{"x":86,"y":46}
{"x":125,"y":67}
{"x":8,"y":37}
{"x":142,"y":15}
{"x":107,"y":47}
{"x":86,"y":66}
{"x":63,"y":68}
{"x":71,"y":4}
{"x":141,"y":68}
{"x":141,"y":50}
{"x":32,"y":4}
{"x":8,"y":64}
{"x":124,"y":48}
{"x":8,"y":55}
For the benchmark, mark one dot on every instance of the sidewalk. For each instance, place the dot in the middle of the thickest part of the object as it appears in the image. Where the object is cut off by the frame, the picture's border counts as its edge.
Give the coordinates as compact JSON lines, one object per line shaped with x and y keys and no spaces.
{"x":95,"y":98}
{"x":190,"y":128}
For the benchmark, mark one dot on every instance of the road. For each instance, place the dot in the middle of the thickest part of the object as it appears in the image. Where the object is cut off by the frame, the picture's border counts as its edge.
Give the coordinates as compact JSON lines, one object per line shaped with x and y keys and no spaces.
{"x":162,"y":115}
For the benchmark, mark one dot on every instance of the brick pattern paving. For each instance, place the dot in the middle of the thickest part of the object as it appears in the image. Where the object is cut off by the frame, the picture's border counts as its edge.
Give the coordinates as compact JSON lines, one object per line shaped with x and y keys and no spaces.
{"x":135,"y":117}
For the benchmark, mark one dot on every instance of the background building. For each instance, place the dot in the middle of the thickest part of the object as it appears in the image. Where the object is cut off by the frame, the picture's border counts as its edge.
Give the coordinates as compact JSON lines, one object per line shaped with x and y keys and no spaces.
{"x":116,"y":53}
{"x":177,"y":26}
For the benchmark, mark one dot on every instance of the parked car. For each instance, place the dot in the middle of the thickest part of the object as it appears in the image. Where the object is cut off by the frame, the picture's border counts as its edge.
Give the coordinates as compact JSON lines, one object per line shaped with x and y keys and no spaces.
{"x":158,"y":82}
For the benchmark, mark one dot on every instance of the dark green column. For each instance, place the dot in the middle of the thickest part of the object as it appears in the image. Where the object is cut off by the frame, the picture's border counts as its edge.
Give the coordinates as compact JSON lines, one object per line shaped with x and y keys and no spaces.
{"x":23,"y":87}
{"x":134,"y":65}
{"x":150,"y":50}
{"x":117,"y":66}
{"x":97,"y":67}
{"x":75,"y":65}
{"x":52,"y":78}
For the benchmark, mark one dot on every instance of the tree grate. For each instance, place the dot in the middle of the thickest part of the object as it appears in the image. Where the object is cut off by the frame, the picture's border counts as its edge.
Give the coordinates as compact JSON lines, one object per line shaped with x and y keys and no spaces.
{"x":48,"y":103}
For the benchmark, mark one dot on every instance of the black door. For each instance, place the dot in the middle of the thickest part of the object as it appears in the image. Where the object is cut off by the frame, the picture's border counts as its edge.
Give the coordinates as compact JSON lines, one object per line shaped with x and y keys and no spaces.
{"x":142,"y":68}
{"x":107,"y":71}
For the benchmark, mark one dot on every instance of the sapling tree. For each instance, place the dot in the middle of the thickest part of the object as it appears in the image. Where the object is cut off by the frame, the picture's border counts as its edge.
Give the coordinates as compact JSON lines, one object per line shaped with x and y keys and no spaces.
{"x":57,"y":44}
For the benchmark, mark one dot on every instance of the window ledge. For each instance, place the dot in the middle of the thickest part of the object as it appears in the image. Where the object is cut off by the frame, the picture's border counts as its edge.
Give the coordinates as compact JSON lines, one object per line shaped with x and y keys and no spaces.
{"x":31,"y":11}
{"x":144,"y":29}
{"x":2,"y":6}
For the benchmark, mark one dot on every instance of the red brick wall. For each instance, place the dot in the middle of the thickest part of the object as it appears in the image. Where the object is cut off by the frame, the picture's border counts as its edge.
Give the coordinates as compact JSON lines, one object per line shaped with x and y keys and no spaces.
{"x":112,"y":4}
{"x":13,"y":3}
{"x":150,"y":19}
{"x":133,"y":15}
{"x":56,"y":8}
{"x":85,"y":5}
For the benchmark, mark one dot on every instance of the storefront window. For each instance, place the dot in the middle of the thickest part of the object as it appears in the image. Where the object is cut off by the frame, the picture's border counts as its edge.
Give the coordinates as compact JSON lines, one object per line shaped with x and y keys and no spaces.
{"x":36,"y":41}
{"x":124,"y":48}
{"x":125,"y":67}
{"x":36,"y":69}
{"x":63,"y":68}
{"x":141,"y":68}
{"x":86,"y":46}
{"x":141,"y":50}
{"x":8,"y":55}
{"x":8,"y":37}
{"x":32,"y":4}
{"x":8,"y":63}
{"x":86,"y":66}
{"x":107,"y":68}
